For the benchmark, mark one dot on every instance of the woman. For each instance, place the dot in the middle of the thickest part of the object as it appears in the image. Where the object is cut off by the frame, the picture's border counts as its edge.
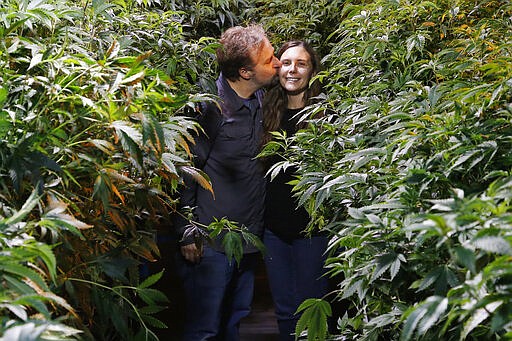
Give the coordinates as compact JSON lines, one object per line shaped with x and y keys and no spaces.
{"x":294,"y":261}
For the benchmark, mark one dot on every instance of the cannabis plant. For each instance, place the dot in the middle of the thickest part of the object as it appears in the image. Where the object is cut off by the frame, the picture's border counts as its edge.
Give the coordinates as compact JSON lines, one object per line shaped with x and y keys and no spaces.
{"x":410,"y":169}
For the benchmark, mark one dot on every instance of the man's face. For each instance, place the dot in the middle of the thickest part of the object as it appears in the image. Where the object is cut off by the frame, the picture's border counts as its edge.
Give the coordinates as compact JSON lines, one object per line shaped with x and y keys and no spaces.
{"x":266,"y":65}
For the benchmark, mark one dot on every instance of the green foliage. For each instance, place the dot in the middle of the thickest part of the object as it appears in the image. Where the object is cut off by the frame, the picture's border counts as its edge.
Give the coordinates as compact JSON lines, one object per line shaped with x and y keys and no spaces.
{"x":120,"y":294}
{"x":410,"y":168}
{"x":233,"y":236}
{"x":209,"y":18}
{"x":28,"y":269}
{"x":314,"y":314}
{"x":92,"y":142}
{"x":311,"y":20}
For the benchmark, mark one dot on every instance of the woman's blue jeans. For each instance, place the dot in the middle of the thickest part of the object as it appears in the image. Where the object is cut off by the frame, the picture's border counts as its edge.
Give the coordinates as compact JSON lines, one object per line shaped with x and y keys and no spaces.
{"x":218,"y":295}
{"x":294,"y":273}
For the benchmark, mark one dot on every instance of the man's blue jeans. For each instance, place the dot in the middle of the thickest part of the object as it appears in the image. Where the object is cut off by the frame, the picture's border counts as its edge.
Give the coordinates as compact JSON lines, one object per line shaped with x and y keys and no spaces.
{"x":294,"y":273}
{"x":218,"y":295}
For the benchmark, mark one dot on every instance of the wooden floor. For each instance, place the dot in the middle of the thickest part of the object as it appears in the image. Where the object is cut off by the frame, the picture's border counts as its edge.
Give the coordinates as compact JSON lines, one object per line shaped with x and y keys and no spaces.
{"x":261,"y":324}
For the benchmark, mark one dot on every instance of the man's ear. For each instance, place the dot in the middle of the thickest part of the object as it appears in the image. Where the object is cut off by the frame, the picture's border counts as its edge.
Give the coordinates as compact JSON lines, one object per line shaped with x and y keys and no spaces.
{"x":245,"y":73}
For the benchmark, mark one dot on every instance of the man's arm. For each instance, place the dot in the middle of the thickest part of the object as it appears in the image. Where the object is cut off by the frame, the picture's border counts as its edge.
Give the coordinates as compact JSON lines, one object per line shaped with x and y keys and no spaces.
{"x":209,"y":119}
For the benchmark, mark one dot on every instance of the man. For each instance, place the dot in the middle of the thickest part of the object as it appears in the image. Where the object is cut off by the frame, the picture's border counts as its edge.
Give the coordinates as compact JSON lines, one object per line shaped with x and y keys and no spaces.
{"x":218,"y":290}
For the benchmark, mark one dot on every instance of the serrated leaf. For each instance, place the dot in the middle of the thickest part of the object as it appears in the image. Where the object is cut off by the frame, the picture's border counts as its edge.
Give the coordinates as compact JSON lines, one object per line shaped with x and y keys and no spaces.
{"x":18,"y":310}
{"x":430,"y":278}
{"x":36,"y":59}
{"x":478,"y":316}
{"x":313,"y":318}
{"x":151,"y":280}
{"x":254,"y":240}
{"x":27,"y":207}
{"x":16,"y":285}
{"x":278,"y":167}
{"x":435,"y":310}
{"x":232,"y":243}
{"x":113,"y":50}
{"x":466,"y":258}
{"x":115,"y":267}
{"x":153,"y":133}
{"x":45,"y":252}
{"x":168,"y":164}
{"x":134,"y":79}
{"x":86,"y":102}
{"x":306,"y":195}
{"x":58,"y":300}
{"x":354,"y":287}
{"x":56,"y":224}
{"x":199,"y":176}
{"x":151,"y":309}
{"x":130,"y":139}
{"x":105,"y":146}
{"x":101,"y":190}
{"x":355,"y":213}
{"x":152,"y":321}
{"x":423,"y":316}
{"x":382,"y":264}
{"x":36,"y":302}
{"x":493,"y":244}
{"x":345,"y":181}
{"x":395,"y":267}
{"x":68,"y":220}
{"x":151,"y":296}
{"x":36,"y":280}
{"x":384,"y":320}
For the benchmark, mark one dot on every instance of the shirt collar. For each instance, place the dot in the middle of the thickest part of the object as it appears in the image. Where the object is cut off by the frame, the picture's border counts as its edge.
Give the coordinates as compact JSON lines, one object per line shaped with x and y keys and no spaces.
{"x":230,"y":101}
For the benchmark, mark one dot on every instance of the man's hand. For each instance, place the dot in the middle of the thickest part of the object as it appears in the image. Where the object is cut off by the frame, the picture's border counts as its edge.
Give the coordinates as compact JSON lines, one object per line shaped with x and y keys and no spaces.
{"x":191,"y":253}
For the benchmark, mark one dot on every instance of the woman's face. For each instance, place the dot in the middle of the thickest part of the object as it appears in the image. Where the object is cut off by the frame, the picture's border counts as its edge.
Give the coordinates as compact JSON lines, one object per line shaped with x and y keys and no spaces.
{"x":296,"y":70}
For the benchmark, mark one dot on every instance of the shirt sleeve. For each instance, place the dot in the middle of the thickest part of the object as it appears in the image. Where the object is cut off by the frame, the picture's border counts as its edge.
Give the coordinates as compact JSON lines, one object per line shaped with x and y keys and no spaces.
{"x":209,"y":119}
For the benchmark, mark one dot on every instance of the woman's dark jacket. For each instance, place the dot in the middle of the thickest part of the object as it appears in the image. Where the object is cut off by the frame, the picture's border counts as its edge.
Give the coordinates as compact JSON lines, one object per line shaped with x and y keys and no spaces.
{"x":282,"y":216}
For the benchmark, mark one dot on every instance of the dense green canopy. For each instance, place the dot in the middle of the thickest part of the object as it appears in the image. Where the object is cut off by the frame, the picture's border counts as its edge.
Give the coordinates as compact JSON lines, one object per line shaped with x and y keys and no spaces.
{"x":409,"y":171}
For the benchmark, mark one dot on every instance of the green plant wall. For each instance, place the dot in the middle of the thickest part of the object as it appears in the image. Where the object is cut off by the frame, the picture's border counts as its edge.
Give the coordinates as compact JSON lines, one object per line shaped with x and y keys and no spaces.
{"x":410,"y":170}
{"x":91,"y":142}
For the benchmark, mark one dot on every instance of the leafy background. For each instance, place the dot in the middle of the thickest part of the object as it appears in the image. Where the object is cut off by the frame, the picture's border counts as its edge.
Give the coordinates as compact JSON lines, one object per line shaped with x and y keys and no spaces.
{"x":409,"y":170}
